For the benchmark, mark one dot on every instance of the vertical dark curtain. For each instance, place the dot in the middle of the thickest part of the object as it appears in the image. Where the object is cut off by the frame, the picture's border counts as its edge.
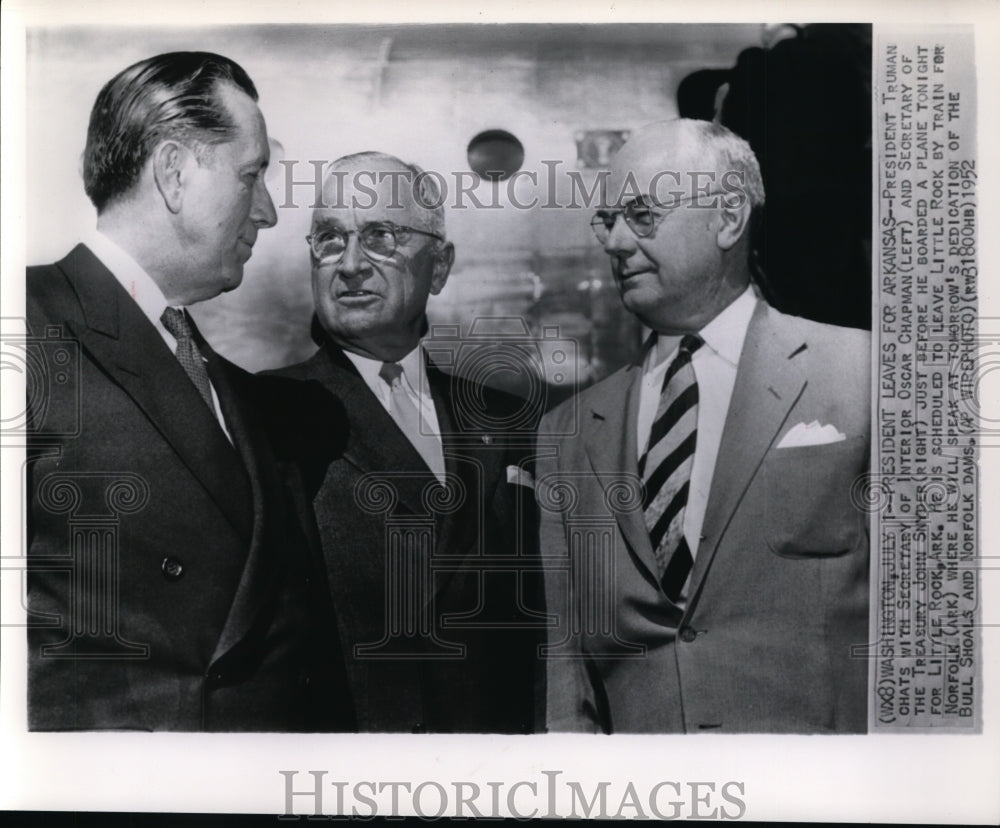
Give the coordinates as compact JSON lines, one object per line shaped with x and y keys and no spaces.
{"x":804,"y":105}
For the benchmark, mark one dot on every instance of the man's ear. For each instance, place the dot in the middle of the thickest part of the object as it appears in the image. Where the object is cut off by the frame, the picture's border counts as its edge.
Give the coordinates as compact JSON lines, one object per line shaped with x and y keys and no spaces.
{"x":735,"y":215}
{"x":444,"y":258}
{"x":169,"y":160}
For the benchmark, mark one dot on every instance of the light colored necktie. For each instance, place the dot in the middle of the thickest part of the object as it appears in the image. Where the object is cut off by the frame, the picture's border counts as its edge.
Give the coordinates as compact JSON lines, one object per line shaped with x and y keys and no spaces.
{"x":665,"y":468}
{"x":407,"y":416}
{"x":187,"y":353}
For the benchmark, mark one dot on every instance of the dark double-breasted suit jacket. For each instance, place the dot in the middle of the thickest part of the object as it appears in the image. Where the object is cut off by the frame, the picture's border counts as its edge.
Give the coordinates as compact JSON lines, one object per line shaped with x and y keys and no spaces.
{"x":170,"y":582}
{"x":436,"y":589}
{"x":774,"y":634}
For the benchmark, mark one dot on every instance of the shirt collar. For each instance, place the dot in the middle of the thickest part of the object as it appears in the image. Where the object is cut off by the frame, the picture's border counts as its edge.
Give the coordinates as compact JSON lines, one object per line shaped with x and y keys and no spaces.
{"x":137,"y":282}
{"x":412,"y":365}
{"x":724,"y":335}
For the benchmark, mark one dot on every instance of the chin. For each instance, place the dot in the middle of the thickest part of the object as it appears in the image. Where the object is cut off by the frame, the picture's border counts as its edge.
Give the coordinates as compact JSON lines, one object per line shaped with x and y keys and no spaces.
{"x":635,"y":302}
{"x":231,"y":281}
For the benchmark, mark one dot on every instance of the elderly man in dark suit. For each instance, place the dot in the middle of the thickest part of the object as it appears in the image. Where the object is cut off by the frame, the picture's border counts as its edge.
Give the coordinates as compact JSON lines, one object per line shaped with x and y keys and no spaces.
{"x":710,"y":571}
{"x":421,"y":517}
{"x":169,"y":570}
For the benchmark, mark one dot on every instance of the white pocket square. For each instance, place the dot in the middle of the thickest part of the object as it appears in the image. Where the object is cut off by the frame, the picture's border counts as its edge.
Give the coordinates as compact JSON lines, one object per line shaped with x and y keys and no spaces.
{"x":811,"y":434}
{"x":517,"y":475}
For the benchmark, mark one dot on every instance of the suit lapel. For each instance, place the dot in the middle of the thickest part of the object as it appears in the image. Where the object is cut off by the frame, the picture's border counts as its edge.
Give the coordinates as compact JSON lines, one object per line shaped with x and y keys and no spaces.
{"x":610,"y":440}
{"x":375,"y":443}
{"x":259,"y":575}
{"x":769,"y":381}
{"x":476,"y":463}
{"x":454,"y":469}
{"x":123,"y":341}
{"x":377,"y":446}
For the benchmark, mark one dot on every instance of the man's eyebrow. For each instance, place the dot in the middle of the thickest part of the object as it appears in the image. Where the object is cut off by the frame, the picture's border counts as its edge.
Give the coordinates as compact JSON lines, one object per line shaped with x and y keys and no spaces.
{"x":641,"y":200}
{"x":327,"y":223}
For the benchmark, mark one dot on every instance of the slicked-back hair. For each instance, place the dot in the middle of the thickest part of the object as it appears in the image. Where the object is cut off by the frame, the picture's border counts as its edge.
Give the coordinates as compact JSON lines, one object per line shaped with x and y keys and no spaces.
{"x":169,"y":96}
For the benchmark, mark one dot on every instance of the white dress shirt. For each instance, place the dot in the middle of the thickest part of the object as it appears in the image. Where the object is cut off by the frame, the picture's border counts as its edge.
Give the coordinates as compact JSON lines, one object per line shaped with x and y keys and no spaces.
{"x":147,"y":295}
{"x":414,"y":382}
{"x":715,"y":365}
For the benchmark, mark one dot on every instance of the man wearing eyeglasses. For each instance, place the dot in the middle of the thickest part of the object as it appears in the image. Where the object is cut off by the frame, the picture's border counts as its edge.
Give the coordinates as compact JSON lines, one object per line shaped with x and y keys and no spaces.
{"x":729,"y":591}
{"x":423,"y":497}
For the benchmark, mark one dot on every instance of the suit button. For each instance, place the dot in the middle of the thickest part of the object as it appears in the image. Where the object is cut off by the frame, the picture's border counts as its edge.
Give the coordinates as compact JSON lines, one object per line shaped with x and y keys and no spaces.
{"x":418,"y":727}
{"x":688,"y":634}
{"x":172,"y":568}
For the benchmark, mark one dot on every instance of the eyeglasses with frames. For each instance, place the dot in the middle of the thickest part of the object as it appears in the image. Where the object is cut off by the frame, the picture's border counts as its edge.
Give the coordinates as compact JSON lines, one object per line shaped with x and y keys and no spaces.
{"x":379,"y":240}
{"x":640,"y":217}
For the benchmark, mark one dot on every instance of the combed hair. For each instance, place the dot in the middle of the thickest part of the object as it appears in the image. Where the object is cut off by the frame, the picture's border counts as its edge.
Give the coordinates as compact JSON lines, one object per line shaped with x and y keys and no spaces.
{"x":730,"y":152}
{"x":427,"y":193}
{"x":169,"y":96}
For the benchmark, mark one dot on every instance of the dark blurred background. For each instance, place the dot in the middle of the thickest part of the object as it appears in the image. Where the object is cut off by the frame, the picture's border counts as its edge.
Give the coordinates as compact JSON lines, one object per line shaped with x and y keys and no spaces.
{"x":550,"y":97}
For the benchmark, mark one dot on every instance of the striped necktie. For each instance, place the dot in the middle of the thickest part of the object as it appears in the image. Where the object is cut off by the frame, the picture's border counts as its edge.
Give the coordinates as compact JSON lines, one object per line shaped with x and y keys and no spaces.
{"x":187,"y":352}
{"x":665,"y":468}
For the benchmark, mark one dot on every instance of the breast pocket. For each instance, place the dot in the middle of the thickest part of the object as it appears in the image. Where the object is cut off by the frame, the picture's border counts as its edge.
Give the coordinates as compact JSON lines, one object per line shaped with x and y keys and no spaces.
{"x":809,"y":508}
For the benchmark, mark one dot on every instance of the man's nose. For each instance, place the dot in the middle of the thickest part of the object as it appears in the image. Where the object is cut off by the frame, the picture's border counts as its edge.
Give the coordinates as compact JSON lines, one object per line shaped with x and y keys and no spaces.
{"x":354,"y":261}
{"x":262,"y":212}
{"x":621,"y":240}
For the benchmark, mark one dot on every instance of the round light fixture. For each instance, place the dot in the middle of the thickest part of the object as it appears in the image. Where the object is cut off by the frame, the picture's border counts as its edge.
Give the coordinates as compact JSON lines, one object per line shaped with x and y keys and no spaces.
{"x":495,"y":154}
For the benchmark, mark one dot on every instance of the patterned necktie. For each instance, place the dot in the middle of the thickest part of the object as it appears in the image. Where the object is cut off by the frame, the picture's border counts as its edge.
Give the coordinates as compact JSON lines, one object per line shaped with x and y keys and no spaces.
{"x":407,"y":416}
{"x":666,"y":468}
{"x":187,"y":352}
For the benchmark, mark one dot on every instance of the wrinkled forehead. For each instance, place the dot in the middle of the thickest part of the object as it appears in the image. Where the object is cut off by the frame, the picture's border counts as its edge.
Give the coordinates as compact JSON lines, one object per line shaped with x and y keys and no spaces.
{"x":664,"y":163}
{"x":356,"y":194}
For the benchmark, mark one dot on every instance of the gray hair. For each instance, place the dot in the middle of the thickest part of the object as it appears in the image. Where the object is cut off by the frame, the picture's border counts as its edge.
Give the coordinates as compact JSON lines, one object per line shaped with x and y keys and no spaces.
{"x":728,"y":151}
{"x":426,"y":191}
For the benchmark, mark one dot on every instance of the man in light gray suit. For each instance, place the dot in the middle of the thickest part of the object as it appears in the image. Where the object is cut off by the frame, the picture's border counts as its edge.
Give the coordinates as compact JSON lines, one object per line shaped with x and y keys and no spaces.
{"x":710,"y":571}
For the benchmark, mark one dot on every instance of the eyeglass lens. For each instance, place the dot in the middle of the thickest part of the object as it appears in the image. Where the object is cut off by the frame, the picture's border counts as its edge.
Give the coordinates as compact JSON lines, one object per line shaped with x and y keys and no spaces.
{"x":638,"y":217}
{"x":377,"y":239}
